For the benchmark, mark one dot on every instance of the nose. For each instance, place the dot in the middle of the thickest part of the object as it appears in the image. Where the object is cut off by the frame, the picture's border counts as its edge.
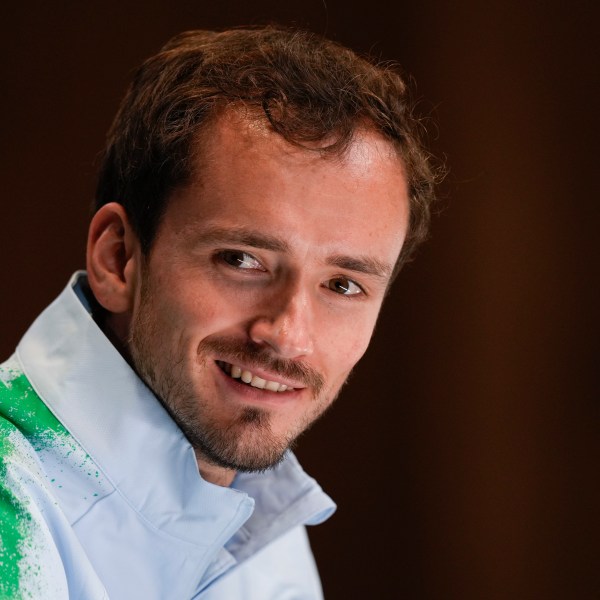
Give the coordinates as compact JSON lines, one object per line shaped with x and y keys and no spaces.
{"x":285,"y":325}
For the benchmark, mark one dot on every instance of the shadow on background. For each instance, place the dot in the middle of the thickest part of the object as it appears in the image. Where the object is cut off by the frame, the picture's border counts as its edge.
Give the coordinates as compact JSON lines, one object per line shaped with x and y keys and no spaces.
{"x":462,"y":452}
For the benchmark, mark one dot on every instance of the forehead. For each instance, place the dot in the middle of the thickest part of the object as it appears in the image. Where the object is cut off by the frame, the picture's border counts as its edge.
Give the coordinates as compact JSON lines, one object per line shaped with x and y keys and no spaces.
{"x":236,"y":131}
{"x":245,"y":175}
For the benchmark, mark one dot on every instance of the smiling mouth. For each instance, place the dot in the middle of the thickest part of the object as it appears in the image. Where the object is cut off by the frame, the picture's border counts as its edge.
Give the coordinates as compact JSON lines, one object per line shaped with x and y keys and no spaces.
{"x":248,"y":378}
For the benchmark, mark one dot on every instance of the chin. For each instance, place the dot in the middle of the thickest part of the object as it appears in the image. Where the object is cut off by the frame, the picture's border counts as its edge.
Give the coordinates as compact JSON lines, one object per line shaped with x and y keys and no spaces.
{"x":245,"y":443}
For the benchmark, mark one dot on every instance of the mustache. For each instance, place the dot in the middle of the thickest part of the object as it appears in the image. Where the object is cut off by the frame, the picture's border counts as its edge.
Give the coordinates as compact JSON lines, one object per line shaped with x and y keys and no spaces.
{"x":251,"y":354}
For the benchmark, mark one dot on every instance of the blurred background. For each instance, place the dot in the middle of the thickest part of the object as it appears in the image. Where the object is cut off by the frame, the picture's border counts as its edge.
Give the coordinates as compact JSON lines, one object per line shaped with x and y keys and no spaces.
{"x":464,"y":454}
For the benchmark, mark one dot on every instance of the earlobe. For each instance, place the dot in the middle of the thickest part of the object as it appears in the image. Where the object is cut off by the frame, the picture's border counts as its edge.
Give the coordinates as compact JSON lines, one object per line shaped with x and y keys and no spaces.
{"x":113,"y":258}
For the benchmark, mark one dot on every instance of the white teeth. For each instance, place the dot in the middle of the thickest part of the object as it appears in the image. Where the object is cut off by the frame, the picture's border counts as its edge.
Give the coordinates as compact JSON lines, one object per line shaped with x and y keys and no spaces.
{"x":258,"y":382}
{"x":272,"y":386}
{"x":255,"y":381}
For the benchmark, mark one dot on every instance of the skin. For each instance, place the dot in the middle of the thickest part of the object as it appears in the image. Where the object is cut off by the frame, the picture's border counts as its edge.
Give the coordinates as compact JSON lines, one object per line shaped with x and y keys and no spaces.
{"x":272,"y":258}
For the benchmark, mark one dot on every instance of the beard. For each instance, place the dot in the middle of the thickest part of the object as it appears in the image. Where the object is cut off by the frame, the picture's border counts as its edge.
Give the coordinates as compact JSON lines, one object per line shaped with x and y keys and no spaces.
{"x":240,"y":438}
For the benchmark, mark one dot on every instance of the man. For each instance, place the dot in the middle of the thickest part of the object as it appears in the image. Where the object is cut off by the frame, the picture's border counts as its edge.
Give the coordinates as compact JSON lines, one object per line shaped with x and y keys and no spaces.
{"x":259,"y":191}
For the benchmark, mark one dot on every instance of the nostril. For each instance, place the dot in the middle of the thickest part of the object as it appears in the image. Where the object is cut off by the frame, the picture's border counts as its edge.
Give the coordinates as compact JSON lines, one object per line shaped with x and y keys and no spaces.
{"x":287,"y":335}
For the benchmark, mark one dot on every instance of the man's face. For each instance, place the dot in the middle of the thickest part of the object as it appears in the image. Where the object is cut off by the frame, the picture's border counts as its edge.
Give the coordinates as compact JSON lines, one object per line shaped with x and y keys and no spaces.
{"x":263,"y":286}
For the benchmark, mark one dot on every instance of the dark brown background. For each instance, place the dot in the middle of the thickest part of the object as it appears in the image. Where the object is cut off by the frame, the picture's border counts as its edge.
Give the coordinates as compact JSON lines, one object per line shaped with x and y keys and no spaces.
{"x":463,"y":454}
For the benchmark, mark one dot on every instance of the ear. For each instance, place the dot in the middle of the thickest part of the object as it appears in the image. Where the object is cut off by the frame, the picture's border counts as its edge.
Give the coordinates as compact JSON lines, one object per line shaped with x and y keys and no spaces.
{"x":113,"y":259}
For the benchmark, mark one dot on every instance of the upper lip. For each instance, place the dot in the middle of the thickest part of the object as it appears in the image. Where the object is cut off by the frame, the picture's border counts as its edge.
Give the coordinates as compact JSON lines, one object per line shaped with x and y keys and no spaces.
{"x":267,"y":375}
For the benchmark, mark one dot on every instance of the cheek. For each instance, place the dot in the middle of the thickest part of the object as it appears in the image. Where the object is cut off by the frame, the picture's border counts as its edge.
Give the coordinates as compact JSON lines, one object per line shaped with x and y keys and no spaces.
{"x":194,"y":314}
{"x":345,"y":347}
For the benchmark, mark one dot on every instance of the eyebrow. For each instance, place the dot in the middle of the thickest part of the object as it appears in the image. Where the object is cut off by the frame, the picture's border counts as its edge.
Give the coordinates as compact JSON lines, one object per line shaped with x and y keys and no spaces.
{"x":256,"y":239}
{"x":245,"y":237}
{"x":362,"y":264}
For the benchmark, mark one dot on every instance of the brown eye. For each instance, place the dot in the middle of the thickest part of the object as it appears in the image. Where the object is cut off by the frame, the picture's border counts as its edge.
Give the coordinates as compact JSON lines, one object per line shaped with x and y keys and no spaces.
{"x":344,"y":286}
{"x":240,"y":260}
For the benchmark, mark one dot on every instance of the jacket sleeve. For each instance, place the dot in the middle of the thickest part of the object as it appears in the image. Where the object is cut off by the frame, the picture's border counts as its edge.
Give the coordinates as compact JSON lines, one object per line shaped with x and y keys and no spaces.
{"x":40,"y":556}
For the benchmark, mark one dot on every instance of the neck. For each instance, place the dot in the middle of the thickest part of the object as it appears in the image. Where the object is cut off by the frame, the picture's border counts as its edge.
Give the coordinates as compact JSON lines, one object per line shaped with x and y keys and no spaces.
{"x":213,"y":473}
{"x":116,"y":329}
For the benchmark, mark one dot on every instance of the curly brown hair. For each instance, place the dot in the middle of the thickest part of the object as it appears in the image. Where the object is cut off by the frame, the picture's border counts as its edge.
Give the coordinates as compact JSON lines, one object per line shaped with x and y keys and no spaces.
{"x":309,"y":88}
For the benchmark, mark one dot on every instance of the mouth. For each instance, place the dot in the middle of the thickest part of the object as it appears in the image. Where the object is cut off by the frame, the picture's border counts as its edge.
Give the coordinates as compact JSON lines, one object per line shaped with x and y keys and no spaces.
{"x":243,"y":375}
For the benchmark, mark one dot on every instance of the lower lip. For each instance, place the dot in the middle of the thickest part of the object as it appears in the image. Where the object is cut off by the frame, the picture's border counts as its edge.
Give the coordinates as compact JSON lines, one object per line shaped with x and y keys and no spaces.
{"x":255,"y":395}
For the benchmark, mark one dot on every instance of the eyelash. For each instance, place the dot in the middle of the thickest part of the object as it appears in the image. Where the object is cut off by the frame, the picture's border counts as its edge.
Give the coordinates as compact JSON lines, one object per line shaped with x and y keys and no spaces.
{"x":349,"y":283}
{"x":231,"y":257}
{"x":223,"y":255}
